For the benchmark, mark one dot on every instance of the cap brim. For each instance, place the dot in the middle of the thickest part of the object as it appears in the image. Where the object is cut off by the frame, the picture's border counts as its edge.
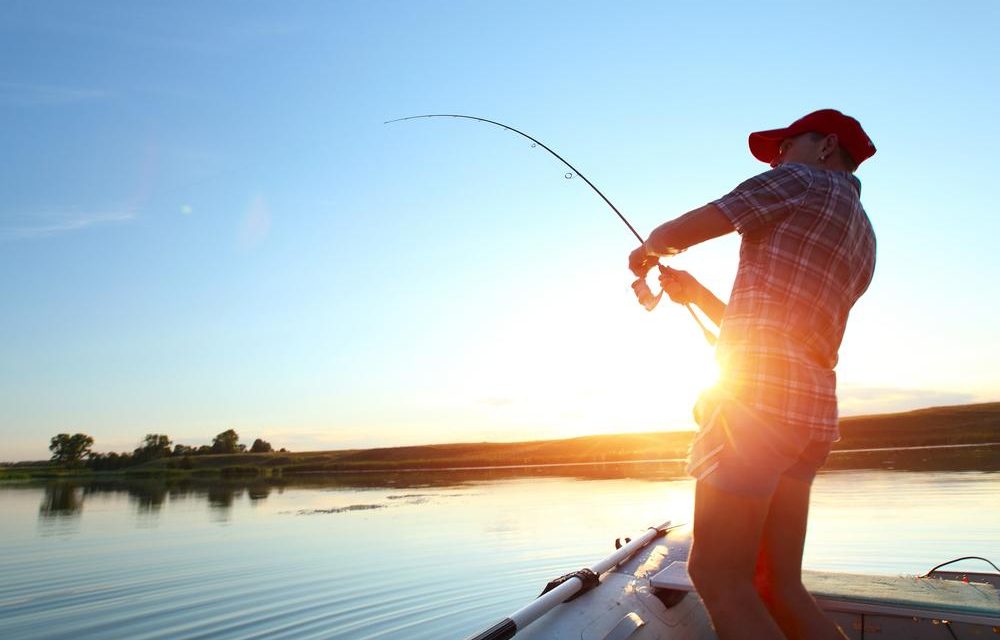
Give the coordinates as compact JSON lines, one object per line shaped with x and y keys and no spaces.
{"x":764,"y":145}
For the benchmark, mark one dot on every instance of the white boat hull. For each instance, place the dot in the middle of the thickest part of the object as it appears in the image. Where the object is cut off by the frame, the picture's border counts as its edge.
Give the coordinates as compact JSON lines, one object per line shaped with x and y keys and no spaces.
{"x":649,"y":597}
{"x":625,"y":606}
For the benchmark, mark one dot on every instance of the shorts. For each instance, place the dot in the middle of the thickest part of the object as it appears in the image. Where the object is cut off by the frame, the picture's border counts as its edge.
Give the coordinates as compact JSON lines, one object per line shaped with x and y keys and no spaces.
{"x":738,"y":451}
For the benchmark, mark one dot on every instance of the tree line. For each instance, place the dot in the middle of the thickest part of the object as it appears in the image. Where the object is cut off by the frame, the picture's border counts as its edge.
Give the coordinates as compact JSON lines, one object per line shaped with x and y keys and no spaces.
{"x":77,"y":450}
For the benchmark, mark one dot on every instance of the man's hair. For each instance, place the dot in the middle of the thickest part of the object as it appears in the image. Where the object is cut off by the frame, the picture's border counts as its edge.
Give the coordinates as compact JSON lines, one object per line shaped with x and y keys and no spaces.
{"x":845,"y":157}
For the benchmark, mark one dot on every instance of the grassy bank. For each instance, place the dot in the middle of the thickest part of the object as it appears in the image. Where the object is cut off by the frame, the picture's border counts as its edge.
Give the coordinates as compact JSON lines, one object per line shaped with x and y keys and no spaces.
{"x":961,"y":424}
{"x":964,"y":424}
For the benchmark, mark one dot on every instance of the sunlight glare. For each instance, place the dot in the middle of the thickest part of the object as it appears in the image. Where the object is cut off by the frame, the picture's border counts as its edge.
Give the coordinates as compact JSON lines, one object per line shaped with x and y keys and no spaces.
{"x":607,"y":369}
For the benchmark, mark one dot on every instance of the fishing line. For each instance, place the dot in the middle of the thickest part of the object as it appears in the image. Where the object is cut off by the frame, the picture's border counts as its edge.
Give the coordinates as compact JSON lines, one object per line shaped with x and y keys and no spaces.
{"x":708,"y":334}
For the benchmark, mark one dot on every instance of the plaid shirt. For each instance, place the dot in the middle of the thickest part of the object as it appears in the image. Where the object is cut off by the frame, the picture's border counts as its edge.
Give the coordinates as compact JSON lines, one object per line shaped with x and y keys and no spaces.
{"x":807,"y":255}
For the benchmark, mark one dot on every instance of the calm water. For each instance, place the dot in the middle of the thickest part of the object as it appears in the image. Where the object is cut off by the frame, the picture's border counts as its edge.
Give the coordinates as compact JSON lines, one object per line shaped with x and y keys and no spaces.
{"x":417,"y":557}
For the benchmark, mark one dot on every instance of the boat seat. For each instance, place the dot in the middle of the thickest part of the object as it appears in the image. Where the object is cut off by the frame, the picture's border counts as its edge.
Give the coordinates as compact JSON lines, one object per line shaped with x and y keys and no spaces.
{"x":674,"y":577}
{"x":953,"y":600}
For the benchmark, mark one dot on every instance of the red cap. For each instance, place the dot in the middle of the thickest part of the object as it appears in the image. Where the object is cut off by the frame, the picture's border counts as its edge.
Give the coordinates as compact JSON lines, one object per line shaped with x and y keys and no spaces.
{"x":764,"y":145}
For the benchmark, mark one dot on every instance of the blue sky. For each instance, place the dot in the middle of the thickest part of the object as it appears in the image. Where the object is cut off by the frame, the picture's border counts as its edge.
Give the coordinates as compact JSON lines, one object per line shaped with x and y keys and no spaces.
{"x":205,"y":224}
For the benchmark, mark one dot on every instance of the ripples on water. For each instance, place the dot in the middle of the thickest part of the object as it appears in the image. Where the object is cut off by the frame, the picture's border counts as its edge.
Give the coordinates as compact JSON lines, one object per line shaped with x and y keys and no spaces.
{"x":419,"y":557}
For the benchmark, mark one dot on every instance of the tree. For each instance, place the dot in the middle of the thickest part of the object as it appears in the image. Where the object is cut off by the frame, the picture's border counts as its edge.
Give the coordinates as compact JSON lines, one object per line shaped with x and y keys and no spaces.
{"x":226,"y":442}
{"x":154,"y":446}
{"x":110,"y":461}
{"x":261,"y":446}
{"x":68,"y":449}
{"x":183,"y":450}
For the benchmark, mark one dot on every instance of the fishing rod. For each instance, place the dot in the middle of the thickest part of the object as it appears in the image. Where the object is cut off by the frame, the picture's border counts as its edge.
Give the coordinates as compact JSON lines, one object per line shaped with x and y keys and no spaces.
{"x":648,"y":300}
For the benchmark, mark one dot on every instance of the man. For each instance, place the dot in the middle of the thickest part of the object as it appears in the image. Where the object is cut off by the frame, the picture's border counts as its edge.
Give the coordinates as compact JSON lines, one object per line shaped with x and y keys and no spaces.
{"x":806,"y":256}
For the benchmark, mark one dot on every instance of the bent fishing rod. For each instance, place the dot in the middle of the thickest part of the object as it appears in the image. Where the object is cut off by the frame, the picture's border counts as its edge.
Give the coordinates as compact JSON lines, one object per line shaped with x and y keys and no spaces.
{"x":639,"y":286}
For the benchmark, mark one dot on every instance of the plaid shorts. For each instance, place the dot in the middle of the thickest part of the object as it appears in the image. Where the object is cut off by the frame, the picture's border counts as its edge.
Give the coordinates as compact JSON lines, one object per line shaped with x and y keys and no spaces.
{"x":738,"y":451}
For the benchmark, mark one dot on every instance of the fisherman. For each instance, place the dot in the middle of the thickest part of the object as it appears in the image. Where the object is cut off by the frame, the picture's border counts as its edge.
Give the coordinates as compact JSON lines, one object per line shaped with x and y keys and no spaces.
{"x":806,"y":256}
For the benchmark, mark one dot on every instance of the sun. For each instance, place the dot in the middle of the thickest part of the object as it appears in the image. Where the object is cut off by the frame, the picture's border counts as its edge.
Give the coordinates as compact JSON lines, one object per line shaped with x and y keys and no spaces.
{"x":545,"y":371}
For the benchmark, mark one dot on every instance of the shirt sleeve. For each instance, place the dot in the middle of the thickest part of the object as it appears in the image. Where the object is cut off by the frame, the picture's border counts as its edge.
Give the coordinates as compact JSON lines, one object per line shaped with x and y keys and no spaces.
{"x":766,"y":198}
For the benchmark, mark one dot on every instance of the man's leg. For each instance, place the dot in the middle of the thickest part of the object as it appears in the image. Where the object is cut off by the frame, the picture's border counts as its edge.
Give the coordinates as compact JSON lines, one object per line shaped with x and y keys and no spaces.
{"x":779,"y":566}
{"x":727,"y":535}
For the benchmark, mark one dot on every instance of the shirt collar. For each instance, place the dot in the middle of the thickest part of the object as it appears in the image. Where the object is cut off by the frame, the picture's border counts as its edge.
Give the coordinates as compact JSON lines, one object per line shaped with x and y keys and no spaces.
{"x":855,"y":182}
{"x":853,"y":179}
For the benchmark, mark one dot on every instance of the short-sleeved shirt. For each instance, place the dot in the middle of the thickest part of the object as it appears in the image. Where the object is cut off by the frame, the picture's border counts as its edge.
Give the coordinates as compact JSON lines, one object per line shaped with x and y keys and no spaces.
{"x":807,"y":255}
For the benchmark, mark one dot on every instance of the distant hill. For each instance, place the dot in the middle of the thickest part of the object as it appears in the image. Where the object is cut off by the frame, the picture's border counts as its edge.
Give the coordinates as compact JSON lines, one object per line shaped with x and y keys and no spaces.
{"x":953,"y":425}
{"x":960,"y":424}
{"x":963,"y":424}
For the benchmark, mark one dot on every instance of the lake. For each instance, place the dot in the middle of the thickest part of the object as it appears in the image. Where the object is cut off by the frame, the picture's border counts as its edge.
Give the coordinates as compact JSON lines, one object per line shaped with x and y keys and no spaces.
{"x":406,"y":555}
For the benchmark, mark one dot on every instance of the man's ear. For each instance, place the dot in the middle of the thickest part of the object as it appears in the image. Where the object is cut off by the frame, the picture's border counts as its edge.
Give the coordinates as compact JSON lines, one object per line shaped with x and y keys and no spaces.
{"x":829,"y":145}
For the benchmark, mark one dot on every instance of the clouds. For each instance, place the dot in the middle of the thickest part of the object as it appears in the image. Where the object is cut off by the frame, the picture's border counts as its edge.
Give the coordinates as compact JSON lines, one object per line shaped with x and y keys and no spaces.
{"x":53,"y":224}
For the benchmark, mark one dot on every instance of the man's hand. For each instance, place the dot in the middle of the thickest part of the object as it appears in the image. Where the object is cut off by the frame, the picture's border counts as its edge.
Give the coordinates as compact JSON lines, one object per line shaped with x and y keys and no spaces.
{"x":681,"y":286}
{"x":641,"y":261}
{"x":674,"y":236}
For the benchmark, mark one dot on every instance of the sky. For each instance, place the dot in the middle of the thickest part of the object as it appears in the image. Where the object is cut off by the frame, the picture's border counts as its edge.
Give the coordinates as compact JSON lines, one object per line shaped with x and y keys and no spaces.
{"x":205,"y":224}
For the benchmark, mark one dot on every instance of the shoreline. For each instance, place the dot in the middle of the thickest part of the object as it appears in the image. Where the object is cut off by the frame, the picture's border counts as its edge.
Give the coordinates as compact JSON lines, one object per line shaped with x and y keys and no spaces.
{"x":569,"y":465}
{"x":841,"y":459}
{"x":864,"y":438}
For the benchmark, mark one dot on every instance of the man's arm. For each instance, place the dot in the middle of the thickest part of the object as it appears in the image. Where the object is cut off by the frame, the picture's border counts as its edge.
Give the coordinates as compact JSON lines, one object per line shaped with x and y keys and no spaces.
{"x":683,"y":288}
{"x":670,"y":238}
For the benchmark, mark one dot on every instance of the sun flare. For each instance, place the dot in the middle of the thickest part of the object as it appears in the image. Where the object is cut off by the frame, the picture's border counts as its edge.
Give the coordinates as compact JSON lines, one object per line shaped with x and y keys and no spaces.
{"x":610,"y":369}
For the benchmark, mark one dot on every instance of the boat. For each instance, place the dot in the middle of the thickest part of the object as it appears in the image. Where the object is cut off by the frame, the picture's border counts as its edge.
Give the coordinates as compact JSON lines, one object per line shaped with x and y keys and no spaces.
{"x":642,"y":591}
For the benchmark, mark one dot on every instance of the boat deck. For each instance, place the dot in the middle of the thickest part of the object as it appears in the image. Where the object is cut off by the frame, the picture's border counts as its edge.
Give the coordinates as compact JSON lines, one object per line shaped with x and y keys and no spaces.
{"x":867,"y":604}
{"x":906,"y":595}
{"x":650,"y":597}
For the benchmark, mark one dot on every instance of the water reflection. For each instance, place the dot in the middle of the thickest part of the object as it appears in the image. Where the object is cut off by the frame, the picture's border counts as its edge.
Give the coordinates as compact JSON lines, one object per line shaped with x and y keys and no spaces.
{"x":258,"y":492}
{"x":955,"y":458}
{"x":452,"y":549}
{"x":221,"y":497}
{"x":64,"y":499}
{"x":147,"y":497}
{"x":61,"y":500}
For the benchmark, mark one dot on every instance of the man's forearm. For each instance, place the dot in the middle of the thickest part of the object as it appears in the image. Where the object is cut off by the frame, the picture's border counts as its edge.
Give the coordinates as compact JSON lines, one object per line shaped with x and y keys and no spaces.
{"x":711,"y":305}
{"x":670,"y":238}
{"x":704,"y":223}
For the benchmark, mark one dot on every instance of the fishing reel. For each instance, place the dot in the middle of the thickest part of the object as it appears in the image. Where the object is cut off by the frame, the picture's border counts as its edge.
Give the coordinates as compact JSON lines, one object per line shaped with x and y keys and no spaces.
{"x":649,"y":301}
{"x":644,"y":294}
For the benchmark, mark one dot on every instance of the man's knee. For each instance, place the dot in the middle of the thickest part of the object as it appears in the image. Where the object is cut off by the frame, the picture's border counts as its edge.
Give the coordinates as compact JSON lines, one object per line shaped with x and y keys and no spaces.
{"x":780,"y":594}
{"x":774,"y":577}
{"x":727,"y":533}
{"x":707,"y":579}
{"x":697,"y":569}
{"x":711,"y":573}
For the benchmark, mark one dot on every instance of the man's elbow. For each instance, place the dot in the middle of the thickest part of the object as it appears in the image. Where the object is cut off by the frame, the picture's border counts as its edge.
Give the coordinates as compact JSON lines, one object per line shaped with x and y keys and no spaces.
{"x":707,"y":222}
